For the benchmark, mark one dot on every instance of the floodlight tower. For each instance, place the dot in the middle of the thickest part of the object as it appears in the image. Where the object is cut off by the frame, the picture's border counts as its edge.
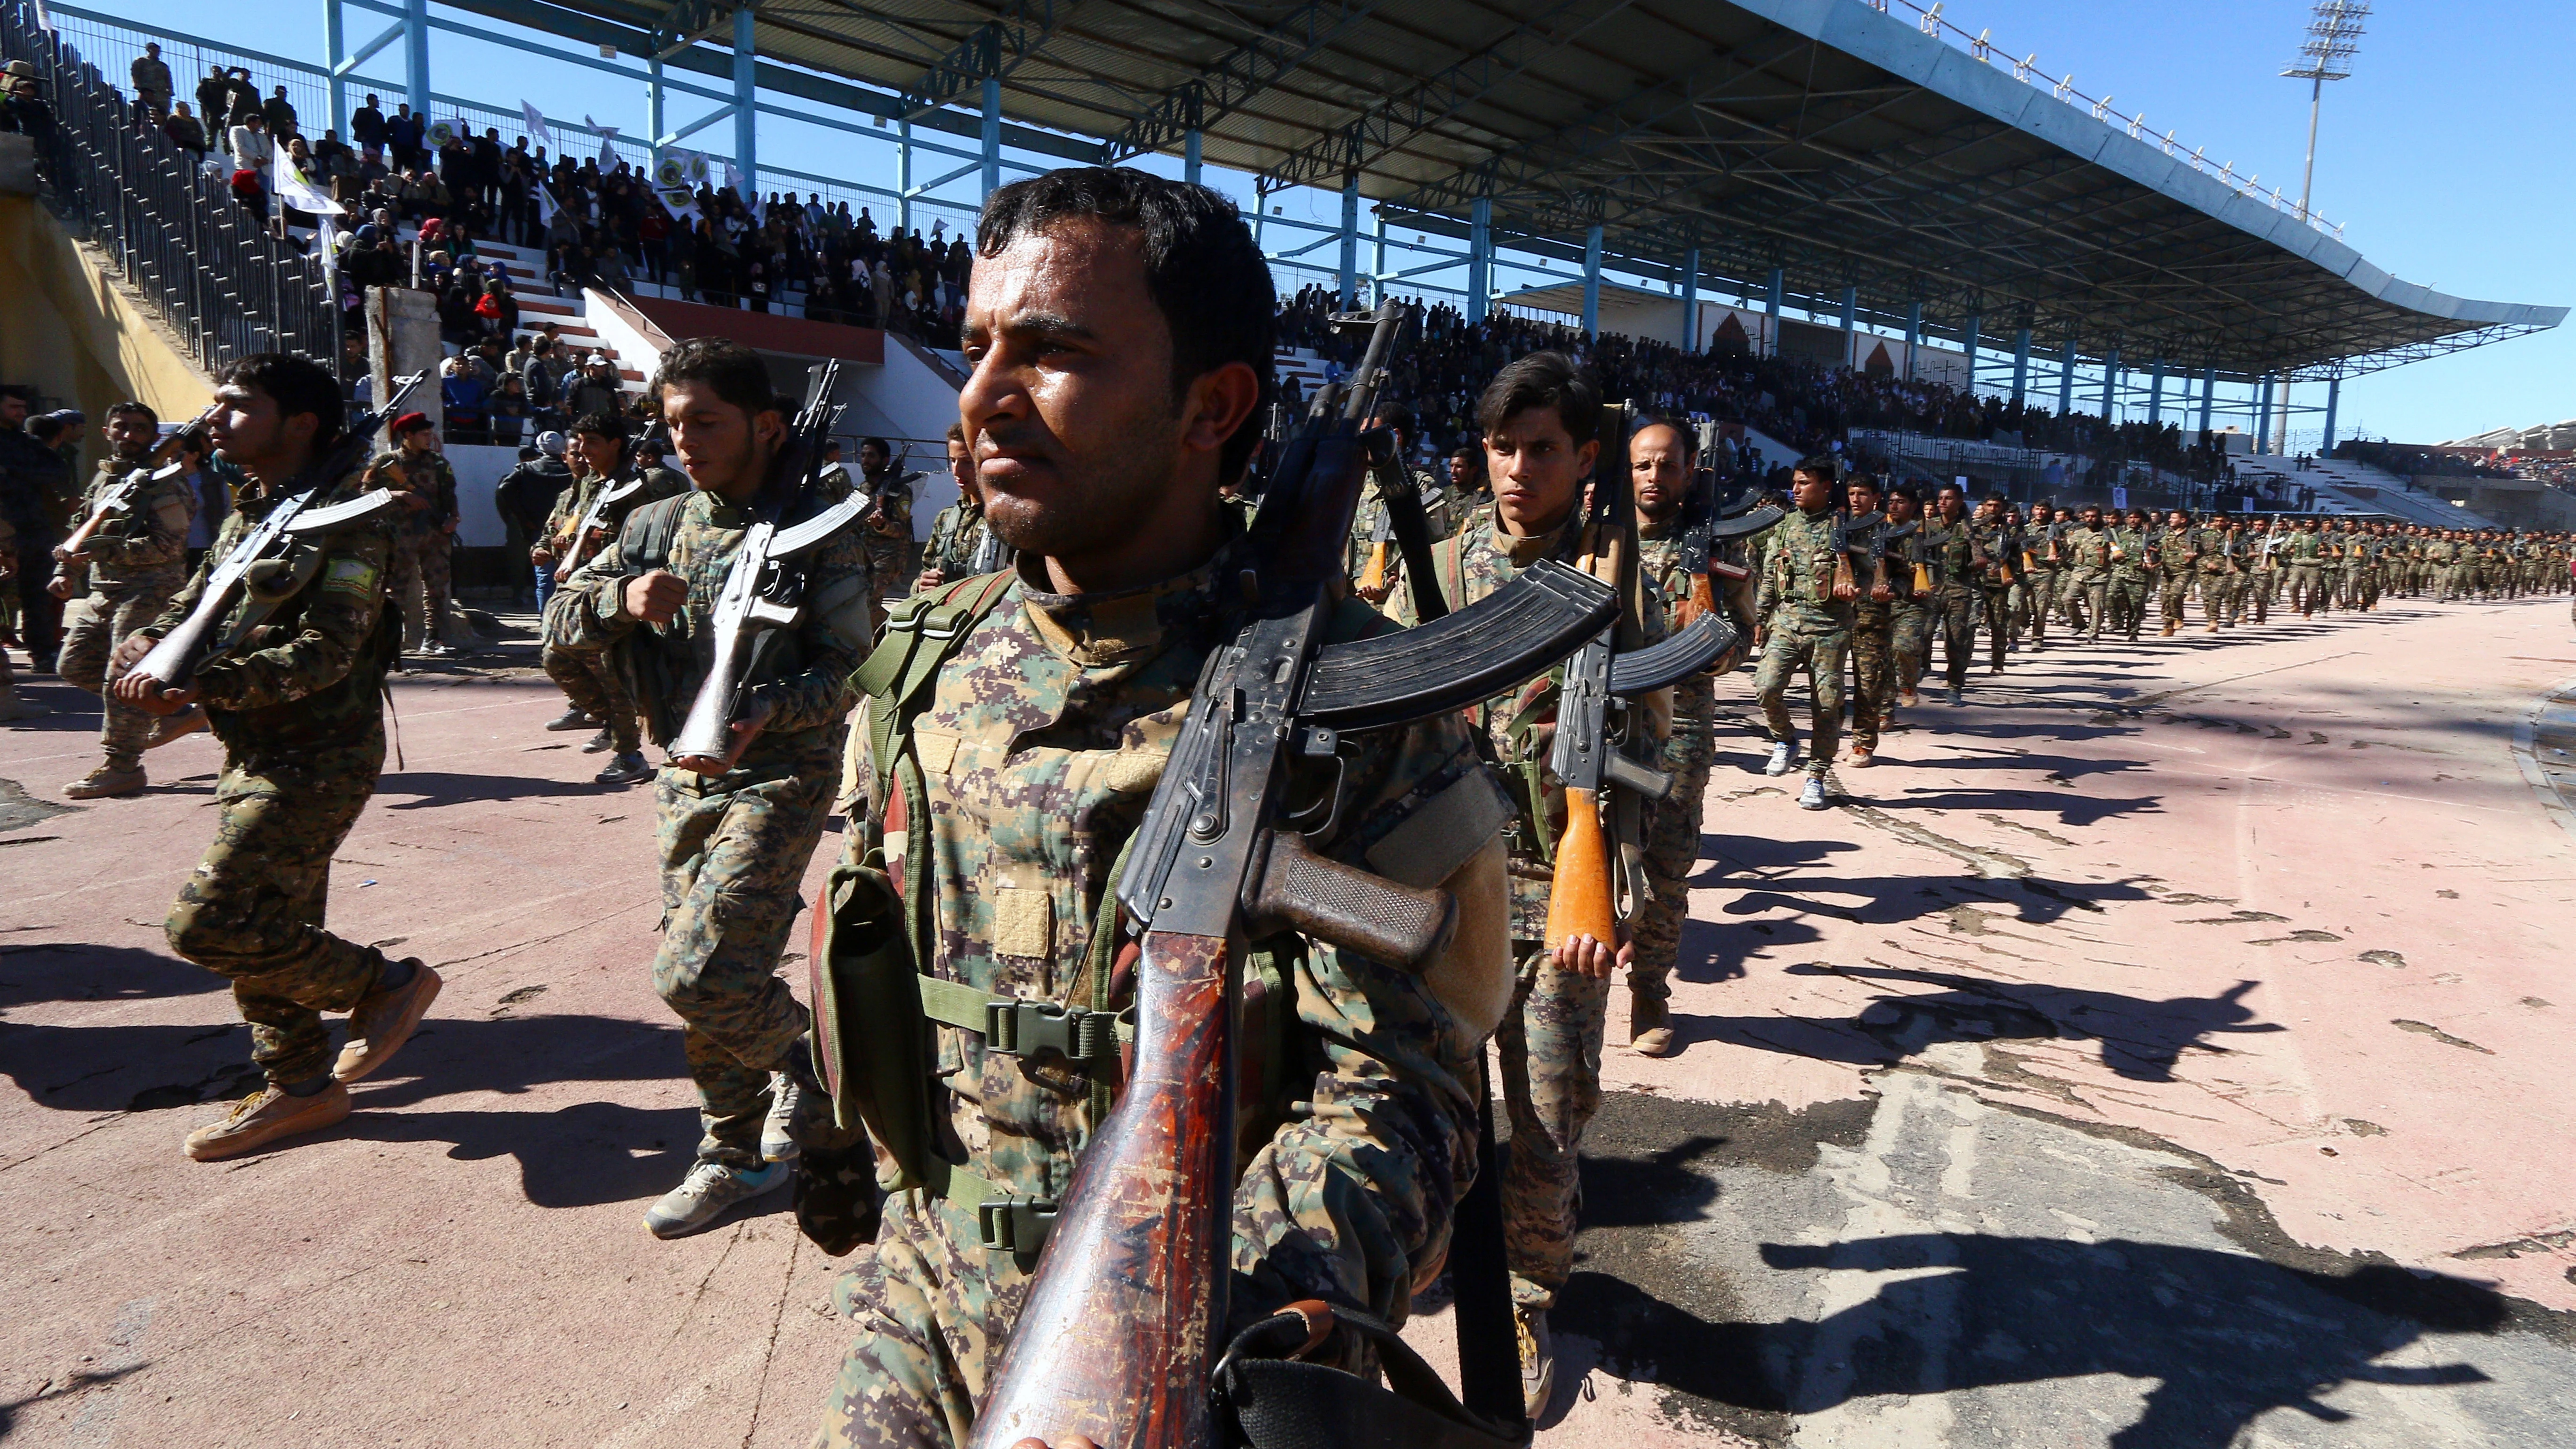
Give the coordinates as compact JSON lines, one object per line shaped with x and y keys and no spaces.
{"x":2334,"y":34}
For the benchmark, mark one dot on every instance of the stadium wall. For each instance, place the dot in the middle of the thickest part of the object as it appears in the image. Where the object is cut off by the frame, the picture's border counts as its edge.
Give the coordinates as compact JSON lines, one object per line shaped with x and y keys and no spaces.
{"x":69,"y":332}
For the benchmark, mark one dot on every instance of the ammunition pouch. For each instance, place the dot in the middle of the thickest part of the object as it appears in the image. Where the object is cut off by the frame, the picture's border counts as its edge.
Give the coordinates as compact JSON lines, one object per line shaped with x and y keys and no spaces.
{"x":1268,"y":1398}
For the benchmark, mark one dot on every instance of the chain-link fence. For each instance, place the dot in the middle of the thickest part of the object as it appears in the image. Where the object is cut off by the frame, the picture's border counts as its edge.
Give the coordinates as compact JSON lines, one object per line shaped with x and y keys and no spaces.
{"x":218,"y":275}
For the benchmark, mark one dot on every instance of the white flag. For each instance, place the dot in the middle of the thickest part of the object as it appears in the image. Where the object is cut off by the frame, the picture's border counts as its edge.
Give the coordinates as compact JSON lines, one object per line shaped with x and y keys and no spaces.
{"x":291,"y":189}
{"x":537,"y":131}
{"x":607,"y":136}
{"x":733,"y":178}
{"x":545,"y":206}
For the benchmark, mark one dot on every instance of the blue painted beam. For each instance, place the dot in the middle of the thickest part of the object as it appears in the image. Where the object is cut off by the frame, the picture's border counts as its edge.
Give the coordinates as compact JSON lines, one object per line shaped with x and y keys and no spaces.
{"x":746,"y":100}
{"x":1592,"y":281}
{"x":1480,"y":256}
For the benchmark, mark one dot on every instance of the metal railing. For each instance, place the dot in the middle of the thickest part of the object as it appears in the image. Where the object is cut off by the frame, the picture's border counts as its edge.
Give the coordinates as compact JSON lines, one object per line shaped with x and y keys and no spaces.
{"x":215,"y":272}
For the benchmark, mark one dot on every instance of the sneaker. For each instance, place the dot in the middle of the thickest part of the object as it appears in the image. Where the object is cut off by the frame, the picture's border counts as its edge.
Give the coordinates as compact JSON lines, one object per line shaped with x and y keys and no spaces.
{"x":105,"y":783}
{"x":1958,"y":696}
{"x":265,"y":1116}
{"x":1813,"y":796}
{"x":599,"y":744}
{"x":703,"y":1196}
{"x":626,"y":769}
{"x":1650,"y":1024}
{"x":1862,"y":755}
{"x":574,"y":719}
{"x":175,"y":726}
{"x":383,"y":1020}
{"x":798,"y":1113}
{"x":1784,"y":753}
{"x":1538,"y":1360}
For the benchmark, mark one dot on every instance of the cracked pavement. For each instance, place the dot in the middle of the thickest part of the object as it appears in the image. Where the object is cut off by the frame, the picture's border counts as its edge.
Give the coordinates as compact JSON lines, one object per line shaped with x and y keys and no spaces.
{"x":2156,"y":1052}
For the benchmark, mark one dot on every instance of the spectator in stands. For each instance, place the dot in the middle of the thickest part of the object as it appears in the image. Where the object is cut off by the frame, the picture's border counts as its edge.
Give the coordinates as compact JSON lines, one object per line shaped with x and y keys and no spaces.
{"x":498,"y":310}
{"x":241,"y":98}
{"x":250,"y":188}
{"x":151,"y":76}
{"x":280,"y":113}
{"x":185,"y":132}
{"x":210,"y":98}
{"x":367,"y":128}
{"x":508,"y":408}
{"x":403,"y":136}
{"x":249,"y":144}
{"x":524,"y":498}
{"x":597,"y":390}
{"x":461,"y":396}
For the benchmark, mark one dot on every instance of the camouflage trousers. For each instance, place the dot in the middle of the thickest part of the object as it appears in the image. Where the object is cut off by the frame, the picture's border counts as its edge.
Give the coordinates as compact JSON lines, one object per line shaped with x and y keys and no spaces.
{"x":1820,"y":652}
{"x":1873,"y":671}
{"x":1958,"y":606}
{"x":419,"y":586}
{"x":2127,"y":605}
{"x":2045,"y":586}
{"x":1909,"y":633}
{"x":1998,"y":624}
{"x":1550,"y":1043}
{"x":2173,"y":591}
{"x":2221,"y":597}
{"x":595,"y":686}
{"x":1672,"y":843}
{"x":2088,"y":604}
{"x":930,"y":1310}
{"x":91,"y":632}
{"x":252,"y":911}
{"x":2307,"y":588}
{"x":2257,"y":589}
{"x":733,"y":864}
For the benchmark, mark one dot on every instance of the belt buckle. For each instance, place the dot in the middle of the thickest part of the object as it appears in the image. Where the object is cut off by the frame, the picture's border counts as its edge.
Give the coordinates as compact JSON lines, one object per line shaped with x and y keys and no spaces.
{"x":1014,"y":1224}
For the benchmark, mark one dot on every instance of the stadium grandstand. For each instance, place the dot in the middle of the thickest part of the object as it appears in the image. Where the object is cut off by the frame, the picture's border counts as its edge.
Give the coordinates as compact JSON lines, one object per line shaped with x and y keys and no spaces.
{"x":1822,"y":222}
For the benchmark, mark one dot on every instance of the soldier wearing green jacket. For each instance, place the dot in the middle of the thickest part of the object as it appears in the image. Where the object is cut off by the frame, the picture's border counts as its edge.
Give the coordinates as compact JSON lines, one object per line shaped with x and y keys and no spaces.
{"x":119,"y":581}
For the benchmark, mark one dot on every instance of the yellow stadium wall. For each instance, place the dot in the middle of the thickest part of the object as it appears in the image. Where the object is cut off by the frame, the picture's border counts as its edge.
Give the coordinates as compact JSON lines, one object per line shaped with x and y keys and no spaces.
{"x":67,"y":331}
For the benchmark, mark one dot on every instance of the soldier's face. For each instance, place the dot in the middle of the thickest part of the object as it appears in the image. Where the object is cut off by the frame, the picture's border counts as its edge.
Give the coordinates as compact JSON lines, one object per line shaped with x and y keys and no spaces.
{"x":250,"y":434}
{"x":1082,"y":442}
{"x":1537,"y":468}
{"x":13,"y":410}
{"x":131,"y":434}
{"x":1901,"y":508}
{"x":1661,"y":474}
{"x":724,"y":449}
{"x":591,"y":453}
{"x":2092,"y":518}
{"x":961,"y":466}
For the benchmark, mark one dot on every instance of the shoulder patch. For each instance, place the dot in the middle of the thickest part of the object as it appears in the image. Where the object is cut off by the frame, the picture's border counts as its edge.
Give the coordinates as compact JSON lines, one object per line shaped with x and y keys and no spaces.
{"x":350,"y":576}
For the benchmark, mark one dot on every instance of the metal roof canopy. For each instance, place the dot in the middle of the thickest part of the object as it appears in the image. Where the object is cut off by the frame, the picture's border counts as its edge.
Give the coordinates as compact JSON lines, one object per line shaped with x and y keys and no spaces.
{"x":1822,"y":137}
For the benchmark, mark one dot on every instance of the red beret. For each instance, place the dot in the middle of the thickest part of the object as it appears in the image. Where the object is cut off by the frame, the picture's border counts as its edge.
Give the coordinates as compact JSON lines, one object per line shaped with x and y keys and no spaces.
{"x":409,"y":421}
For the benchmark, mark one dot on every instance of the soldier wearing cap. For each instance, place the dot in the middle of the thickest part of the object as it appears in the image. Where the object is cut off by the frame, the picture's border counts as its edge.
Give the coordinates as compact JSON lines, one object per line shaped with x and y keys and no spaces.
{"x":425,"y":530}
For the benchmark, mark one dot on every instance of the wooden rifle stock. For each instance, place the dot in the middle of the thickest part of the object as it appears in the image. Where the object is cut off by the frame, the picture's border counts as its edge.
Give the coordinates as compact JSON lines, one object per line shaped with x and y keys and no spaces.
{"x":1121,"y":1317}
{"x":1579,"y":898}
{"x":1373,"y":577}
{"x":1700,"y":599}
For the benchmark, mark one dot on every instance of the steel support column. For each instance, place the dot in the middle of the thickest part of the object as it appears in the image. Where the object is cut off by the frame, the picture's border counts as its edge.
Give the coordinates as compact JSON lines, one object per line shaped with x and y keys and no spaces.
{"x":2156,"y":397}
{"x":1913,"y":335}
{"x":992,"y":137}
{"x":2208,"y":394}
{"x":2263,"y":415}
{"x":1851,"y":323}
{"x":1779,"y":280}
{"x":1350,"y":238}
{"x":653,"y":105}
{"x":2021,"y":365}
{"x":1690,"y":300}
{"x":746,"y":117}
{"x":1377,"y":255}
{"x":2110,"y":385}
{"x":903,"y":175}
{"x":335,"y":49}
{"x":2281,"y":421}
{"x":2334,"y":395}
{"x":1592,"y":281}
{"x":1190,"y":158}
{"x":1976,"y":321}
{"x":1480,"y":257}
{"x":416,"y":56}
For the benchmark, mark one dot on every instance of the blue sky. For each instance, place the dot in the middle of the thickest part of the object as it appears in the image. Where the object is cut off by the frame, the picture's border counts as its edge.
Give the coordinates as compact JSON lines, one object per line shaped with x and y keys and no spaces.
{"x":2443,"y":156}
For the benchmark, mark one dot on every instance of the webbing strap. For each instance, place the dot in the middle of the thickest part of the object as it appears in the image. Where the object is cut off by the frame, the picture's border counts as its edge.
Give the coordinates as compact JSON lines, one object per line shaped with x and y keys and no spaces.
{"x":1016,"y":1027}
{"x":1005,"y":1221}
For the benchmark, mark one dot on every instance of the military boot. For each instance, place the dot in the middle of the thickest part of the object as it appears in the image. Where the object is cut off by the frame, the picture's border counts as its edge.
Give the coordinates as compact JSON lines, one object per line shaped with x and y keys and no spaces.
{"x":265,"y":1116}
{"x":1538,"y":1360}
{"x":1650,"y":1024}
{"x":106,"y":783}
{"x":384,"y":1019}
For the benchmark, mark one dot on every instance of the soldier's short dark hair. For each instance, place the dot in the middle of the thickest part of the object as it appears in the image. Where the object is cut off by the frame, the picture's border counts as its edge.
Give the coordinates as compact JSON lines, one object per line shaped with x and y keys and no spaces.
{"x":1201,"y":267}
{"x":296,"y":385}
{"x":735,"y":372}
{"x":956,"y":432}
{"x":1823,"y":465}
{"x":136,"y":409}
{"x":884,"y":448}
{"x":604,"y":424}
{"x":1395,"y":415}
{"x":1542,"y":380}
{"x":1906,"y":490}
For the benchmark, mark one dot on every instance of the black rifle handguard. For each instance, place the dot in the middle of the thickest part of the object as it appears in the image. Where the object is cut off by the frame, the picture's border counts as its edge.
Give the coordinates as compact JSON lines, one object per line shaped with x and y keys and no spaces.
{"x":1700,"y":644}
{"x":1461,"y":658}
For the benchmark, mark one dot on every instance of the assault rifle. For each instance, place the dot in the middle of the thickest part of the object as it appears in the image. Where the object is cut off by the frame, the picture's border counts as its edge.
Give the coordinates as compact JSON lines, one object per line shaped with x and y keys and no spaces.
{"x":117,"y":503}
{"x":595,"y":518}
{"x":991,"y":555}
{"x":275,"y":560}
{"x":1124,"y":1319}
{"x":764,"y":591}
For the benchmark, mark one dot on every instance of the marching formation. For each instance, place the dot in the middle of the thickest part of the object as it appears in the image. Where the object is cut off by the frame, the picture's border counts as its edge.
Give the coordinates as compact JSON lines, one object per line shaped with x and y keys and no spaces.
{"x":1214,"y":797}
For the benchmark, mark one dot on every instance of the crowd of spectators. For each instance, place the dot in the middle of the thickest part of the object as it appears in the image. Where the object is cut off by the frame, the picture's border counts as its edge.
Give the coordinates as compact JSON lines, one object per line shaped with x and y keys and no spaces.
{"x":2412,"y":462}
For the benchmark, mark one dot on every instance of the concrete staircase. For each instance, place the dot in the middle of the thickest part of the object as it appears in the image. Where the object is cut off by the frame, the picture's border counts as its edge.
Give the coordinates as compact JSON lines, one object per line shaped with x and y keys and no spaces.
{"x":570,"y":315}
{"x":2347,"y":487}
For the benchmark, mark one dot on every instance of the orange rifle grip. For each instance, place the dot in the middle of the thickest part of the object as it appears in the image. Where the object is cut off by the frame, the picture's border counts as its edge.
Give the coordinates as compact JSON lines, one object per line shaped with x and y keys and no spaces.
{"x":1374,"y":576}
{"x":1578,"y":900}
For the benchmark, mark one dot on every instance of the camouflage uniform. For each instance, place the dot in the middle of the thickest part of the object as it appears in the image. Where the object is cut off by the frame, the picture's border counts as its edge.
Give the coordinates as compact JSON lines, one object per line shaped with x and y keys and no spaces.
{"x":1950,"y":550}
{"x":1910,"y":622}
{"x":2219,"y":579}
{"x":302,"y":724}
{"x":135,"y":567}
{"x":1672,"y":843}
{"x":421,"y":538}
{"x":2305,"y":553}
{"x":1550,"y":1039}
{"x":1873,"y":648}
{"x":2087,"y":553}
{"x":1371,"y":531}
{"x":2130,"y":580}
{"x":2177,"y":558}
{"x":1018,"y":785}
{"x":589,"y":678}
{"x":733,"y":846}
{"x":1997,"y":543}
{"x":888,"y":536}
{"x":955,"y":536}
{"x":1809,"y":628}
